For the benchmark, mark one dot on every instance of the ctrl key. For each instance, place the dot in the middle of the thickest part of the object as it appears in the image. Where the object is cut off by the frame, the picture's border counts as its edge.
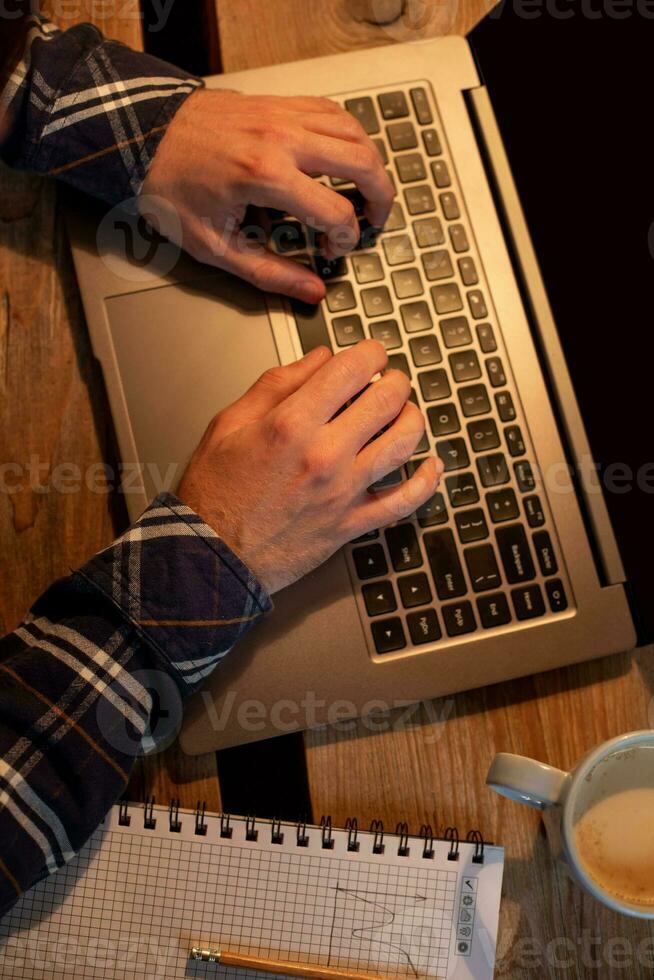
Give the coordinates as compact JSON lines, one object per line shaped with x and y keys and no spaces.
{"x":388,"y":635}
{"x":424,"y":627}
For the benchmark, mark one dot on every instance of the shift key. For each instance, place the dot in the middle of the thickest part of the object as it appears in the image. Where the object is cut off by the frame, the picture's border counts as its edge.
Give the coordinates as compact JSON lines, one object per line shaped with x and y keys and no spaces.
{"x":445,"y":565}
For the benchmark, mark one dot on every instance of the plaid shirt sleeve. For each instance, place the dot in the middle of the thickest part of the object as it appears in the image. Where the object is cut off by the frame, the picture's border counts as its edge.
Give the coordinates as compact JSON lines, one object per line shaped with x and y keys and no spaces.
{"x":86,"y":110}
{"x":78,"y":679}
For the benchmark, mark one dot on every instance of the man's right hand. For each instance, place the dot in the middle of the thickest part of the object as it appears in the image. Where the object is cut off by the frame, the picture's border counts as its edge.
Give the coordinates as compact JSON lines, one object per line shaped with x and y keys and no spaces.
{"x":282,"y":475}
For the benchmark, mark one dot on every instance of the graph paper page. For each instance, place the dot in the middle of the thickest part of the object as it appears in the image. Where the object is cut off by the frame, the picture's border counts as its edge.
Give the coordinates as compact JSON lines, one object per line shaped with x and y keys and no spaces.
{"x":135,"y":901}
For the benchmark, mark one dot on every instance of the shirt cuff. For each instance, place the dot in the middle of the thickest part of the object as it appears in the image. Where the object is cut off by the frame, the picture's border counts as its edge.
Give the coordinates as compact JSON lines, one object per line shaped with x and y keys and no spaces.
{"x":186,"y":593}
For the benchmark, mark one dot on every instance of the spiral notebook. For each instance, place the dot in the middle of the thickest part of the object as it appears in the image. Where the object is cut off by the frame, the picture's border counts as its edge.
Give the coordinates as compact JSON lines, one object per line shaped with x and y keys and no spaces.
{"x":153,"y":882}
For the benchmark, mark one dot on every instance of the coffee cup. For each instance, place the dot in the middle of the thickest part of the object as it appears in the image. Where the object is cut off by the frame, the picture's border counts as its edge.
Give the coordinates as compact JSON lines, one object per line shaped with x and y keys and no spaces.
{"x":604,"y":812}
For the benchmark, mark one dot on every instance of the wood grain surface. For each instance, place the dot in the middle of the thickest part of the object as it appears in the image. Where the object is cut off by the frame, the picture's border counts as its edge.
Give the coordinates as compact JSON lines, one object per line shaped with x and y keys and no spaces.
{"x":429,"y":765}
{"x":255,"y":32}
{"x":56,"y":430}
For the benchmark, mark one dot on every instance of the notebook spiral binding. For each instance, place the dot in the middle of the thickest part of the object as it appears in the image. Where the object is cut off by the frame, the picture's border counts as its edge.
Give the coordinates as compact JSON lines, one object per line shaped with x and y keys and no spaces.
{"x":401,"y":836}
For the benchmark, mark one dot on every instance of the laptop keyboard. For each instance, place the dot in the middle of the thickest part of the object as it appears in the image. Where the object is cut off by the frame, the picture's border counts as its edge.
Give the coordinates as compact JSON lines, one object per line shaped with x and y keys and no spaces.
{"x":481,"y":555}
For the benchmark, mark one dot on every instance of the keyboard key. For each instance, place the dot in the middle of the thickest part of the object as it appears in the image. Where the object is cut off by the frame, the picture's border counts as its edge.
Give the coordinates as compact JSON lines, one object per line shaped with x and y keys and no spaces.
{"x":493,"y":610}
{"x":311,"y":326}
{"x":459,"y":619}
{"x":437,"y":265}
{"x":364,"y":110}
{"x":398,"y":249}
{"x":356,"y":198}
{"x":428,"y":232}
{"x":505,"y":406}
{"x":482,"y":568}
{"x":419,"y":200}
{"x":515,"y":554}
{"x":459,"y":238}
{"x":393,"y":105}
{"x":456,"y":332}
{"x":462,"y":490}
{"x":493,"y":470}
{"x":443,"y":420}
{"x":421,"y":106}
{"x":403,"y":547}
{"x":449,"y":205}
{"x":483,"y":435}
{"x":528,"y":602}
{"x":486,"y":338}
{"x":416,"y":316}
{"x":556,"y":596}
{"x":431,"y":142}
{"x":444,"y":562}
{"x":348,"y":330}
{"x":340,"y":296}
{"x":370,"y":536}
{"x":390,"y":480}
{"x":398,"y":362}
{"x":329,"y":268}
{"x":414,"y":590}
{"x":447,"y":298}
{"x":441,"y":174}
{"x":395,"y":220}
{"x":288,"y":236}
{"x":381,"y":149}
{"x":377,"y":301}
{"x":410,"y":167}
{"x":433,"y":511}
{"x":468,"y":271}
{"x":407,"y":283}
{"x":514,"y":441}
{"x":434,"y":385}
{"x":369,"y":235}
{"x":545,"y":553}
{"x":525,"y":477}
{"x":471,"y":525}
{"x":367,"y":268}
{"x":496,"y":374}
{"x":454,"y":454}
{"x":370,"y":561}
{"x":474,"y":400}
{"x":388,"y":635}
{"x":402,"y":136}
{"x":387,"y":333}
{"x":502,"y":506}
{"x":424,"y":626}
{"x":534,"y":511}
{"x":465,"y":366}
{"x":379,"y":598}
{"x":425,"y":350}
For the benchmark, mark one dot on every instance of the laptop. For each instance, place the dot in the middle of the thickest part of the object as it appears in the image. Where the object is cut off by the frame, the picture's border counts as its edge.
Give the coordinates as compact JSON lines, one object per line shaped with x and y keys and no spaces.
{"x":513,"y":566}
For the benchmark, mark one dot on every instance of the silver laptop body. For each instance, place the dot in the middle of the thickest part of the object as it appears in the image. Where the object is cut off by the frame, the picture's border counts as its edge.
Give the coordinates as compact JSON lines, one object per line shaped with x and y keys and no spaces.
{"x":514,"y":569}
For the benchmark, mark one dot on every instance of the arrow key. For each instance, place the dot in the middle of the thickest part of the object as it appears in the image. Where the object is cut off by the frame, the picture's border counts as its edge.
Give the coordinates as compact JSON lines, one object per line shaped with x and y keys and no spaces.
{"x":414,"y":590}
{"x":388,"y":635}
{"x":379,"y":598}
{"x":370,"y":561}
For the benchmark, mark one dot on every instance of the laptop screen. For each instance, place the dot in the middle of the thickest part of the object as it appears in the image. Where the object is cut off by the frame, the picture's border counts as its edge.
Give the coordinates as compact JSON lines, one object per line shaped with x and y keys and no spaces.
{"x":569,"y":83}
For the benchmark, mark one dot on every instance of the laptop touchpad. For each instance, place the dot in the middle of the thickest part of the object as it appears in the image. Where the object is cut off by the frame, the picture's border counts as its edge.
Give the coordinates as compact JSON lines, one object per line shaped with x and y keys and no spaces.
{"x":185,"y":351}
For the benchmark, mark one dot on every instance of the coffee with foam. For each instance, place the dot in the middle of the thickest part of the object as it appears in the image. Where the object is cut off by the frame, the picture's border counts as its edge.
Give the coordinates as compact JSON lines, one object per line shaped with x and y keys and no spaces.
{"x":614,"y":825}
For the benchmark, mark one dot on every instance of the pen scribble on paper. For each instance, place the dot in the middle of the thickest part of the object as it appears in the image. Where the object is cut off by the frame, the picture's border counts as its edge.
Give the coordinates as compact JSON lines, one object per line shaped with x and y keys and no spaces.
{"x":376,"y":902}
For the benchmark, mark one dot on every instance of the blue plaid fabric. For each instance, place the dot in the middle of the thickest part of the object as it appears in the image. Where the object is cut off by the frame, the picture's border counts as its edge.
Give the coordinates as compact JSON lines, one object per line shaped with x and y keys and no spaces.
{"x":168,"y":600}
{"x":88,"y":111}
{"x":77,"y":678}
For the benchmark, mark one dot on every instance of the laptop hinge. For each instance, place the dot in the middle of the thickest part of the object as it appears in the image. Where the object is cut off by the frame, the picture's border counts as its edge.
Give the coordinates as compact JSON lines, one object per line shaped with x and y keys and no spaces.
{"x":539,"y":312}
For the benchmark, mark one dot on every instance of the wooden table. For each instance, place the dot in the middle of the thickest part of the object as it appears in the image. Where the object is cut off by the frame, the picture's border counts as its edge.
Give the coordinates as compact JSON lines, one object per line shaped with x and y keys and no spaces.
{"x":433,"y":770}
